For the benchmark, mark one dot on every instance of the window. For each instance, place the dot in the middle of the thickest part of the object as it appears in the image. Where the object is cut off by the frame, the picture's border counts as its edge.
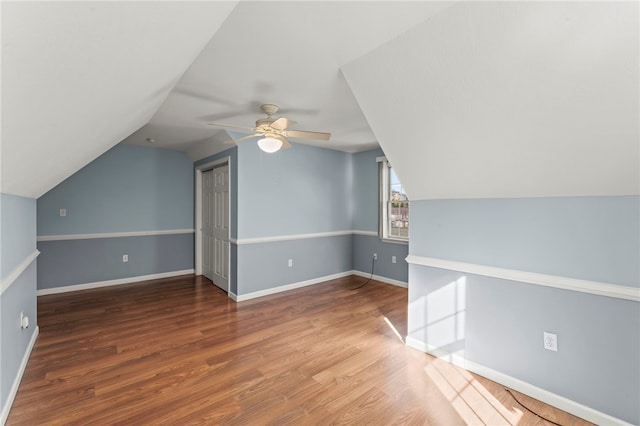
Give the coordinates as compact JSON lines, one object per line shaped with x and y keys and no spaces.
{"x":394,"y":204}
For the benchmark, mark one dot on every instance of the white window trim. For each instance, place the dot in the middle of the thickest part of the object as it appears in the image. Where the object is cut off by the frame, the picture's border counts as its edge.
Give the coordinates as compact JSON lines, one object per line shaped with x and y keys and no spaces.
{"x":383,"y":201}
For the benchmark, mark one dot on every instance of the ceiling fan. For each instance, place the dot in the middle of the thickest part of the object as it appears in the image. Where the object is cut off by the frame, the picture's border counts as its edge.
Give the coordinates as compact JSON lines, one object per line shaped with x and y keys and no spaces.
{"x":274,"y":131}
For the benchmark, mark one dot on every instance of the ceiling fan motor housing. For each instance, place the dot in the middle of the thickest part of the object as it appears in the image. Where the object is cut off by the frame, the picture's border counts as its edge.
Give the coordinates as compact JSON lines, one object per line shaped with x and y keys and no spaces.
{"x":264,"y":122}
{"x":270,"y":109}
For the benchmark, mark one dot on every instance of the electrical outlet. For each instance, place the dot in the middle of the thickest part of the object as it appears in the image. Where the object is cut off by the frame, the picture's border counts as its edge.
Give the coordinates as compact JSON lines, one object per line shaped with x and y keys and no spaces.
{"x":393,"y":259}
{"x":125,"y":257}
{"x":550,"y":341}
{"x":63,"y":212}
{"x":24,"y":321}
{"x":290,"y":263}
{"x":375,"y":256}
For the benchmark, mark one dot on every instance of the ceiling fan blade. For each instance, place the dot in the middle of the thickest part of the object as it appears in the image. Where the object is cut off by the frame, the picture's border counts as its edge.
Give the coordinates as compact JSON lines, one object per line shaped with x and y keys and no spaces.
{"x":253,"y":135}
{"x":285,"y":142}
{"x":223,"y":116}
{"x":321,"y":136}
{"x":282,"y":123}
{"x":231,"y":126}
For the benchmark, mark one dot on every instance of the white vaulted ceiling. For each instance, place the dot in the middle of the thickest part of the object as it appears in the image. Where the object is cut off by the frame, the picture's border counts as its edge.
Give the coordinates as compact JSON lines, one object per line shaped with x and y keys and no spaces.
{"x":467,"y":99}
{"x":79,"y":77}
{"x":509,"y":99}
{"x":285,"y":53}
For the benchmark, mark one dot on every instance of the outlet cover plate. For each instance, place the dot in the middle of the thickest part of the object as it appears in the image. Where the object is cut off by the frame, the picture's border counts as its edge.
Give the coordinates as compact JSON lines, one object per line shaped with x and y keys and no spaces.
{"x":550,"y":341}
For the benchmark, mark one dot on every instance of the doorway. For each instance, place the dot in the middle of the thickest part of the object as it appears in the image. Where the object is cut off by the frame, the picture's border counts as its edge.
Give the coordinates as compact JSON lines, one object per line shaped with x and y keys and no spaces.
{"x":213,"y":222}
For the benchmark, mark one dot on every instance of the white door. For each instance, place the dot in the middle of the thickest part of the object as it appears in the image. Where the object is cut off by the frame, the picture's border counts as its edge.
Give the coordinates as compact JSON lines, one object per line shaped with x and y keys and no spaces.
{"x":208,"y":221}
{"x":215,"y":226}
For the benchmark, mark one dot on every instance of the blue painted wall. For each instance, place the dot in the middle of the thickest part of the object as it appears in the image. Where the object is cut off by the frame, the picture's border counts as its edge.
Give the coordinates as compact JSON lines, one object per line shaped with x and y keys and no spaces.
{"x":365,"y":190}
{"x":100,"y":259}
{"x":363,"y":248}
{"x":365,"y":218}
{"x":18,"y":231}
{"x":591,"y":238}
{"x":264,"y":266}
{"x":298,"y":191}
{"x":499,"y":323}
{"x":127,"y":189}
{"x":304,"y":190}
{"x":17,"y":242}
{"x":307,"y":190}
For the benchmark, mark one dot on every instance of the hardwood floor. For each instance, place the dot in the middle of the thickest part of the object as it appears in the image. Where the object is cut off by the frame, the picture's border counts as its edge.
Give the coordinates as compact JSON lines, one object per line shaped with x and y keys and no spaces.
{"x":179,"y":351}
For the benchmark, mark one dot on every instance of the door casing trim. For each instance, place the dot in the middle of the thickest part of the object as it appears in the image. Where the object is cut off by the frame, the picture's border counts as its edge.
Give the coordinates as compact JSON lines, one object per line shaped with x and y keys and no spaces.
{"x":198,"y":212}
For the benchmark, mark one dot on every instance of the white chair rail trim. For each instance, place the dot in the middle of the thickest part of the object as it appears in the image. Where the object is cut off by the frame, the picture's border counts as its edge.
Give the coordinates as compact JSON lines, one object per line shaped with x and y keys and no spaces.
{"x":17,"y":271}
{"x":573,"y":284}
{"x":260,"y":240}
{"x":114,"y":235}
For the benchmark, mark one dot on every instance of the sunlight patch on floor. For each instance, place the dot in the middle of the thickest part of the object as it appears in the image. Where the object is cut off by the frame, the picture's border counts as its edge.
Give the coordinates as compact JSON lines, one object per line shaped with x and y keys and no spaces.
{"x":393,"y":328}
{"x":473,"y":402}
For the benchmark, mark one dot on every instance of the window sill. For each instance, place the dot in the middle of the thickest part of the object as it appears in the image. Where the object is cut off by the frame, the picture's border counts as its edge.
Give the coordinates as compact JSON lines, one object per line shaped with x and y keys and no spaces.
{"x":395,"y":241}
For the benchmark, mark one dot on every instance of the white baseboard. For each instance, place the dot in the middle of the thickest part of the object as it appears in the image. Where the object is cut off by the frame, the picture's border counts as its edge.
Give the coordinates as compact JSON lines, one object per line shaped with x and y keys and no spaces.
{"x":533,"y":391}
{"x":280,"y":289}
{"x":381,"y":279}
{"x":108,"y":283}
{"x":16,"y":383}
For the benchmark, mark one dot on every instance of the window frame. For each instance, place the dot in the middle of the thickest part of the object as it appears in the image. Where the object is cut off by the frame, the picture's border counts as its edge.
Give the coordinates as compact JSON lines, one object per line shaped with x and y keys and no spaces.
{"x":384,"y":191}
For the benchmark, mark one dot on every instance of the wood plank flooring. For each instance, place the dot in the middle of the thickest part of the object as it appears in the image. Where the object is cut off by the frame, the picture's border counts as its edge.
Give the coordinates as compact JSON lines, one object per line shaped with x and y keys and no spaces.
{"x":179,"y":351}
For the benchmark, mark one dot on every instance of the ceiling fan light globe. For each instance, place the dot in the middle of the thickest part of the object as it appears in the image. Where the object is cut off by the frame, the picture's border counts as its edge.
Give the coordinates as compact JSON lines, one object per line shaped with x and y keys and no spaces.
{"x":270,"y":145}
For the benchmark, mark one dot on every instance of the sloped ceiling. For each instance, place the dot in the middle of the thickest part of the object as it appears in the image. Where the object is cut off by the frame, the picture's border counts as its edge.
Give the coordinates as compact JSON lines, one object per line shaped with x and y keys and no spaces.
{"x":286,"y":53}
{"x":467,"y":99}
{"x":79,"y":77}
{"x":509,"y":99}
